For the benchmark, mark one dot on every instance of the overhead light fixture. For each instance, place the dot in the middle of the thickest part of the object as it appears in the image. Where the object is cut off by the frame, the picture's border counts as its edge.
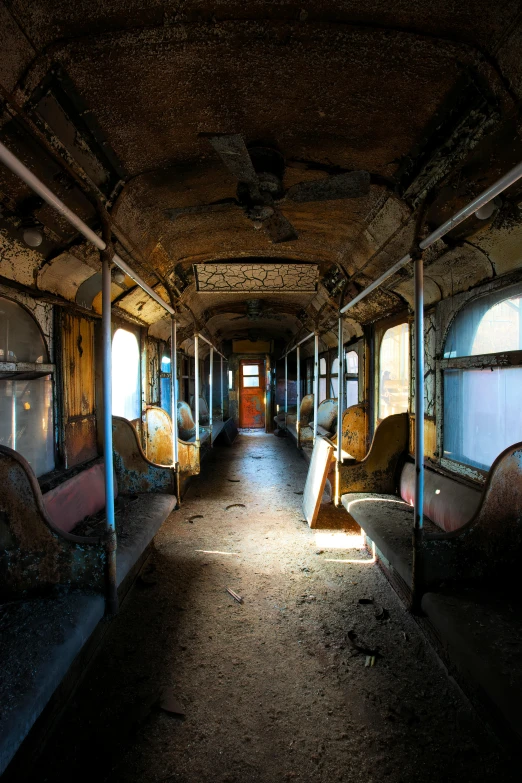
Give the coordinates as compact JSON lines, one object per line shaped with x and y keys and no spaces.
{"x":118,"y":275}
{"x":33,"y":236}
{"x":486,"y":210}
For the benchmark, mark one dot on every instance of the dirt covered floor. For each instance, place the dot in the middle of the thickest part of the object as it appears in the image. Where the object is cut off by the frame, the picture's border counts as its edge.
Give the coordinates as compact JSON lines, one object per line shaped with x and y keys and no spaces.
{"x":273,"y":689}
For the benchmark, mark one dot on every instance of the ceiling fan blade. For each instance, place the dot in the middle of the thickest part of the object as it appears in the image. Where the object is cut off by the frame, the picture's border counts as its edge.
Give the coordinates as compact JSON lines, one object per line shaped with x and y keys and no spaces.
{"x":354,"y":184}
{"x":279,"y":229}
{"x":201,"y":209}
{"x":232,"y":150}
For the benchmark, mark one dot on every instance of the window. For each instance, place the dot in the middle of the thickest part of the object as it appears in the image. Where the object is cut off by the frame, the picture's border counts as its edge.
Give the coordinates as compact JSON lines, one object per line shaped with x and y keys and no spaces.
{"x":482,"y":411}
{"x":394,"y":369}
{"x":250,"y":374}
{"x":165,"y":386}
{"x":20,"y":337}
{"x":26,"y":420}
{"x":352,"y":378}
{"x":322,"y":378}
{"x":125,"y":375}
{"x":26,"y":403}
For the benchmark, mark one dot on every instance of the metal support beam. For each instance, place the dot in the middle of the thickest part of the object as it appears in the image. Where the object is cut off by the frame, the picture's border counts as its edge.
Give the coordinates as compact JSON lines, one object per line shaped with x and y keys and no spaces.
{"x":487,"y":195}
{"x":222,"y":394}
{"x":419,"y":428}
{"x":298,"y":418}
{"x":340,"y":405}
{"x":316,"y":381}
{"x":494,"y":190}
{"x":17,"y":167}
{"x":376,"y":283}
{"x":112,"y":590}
{"x":210,"y":343}
{"x":174,"y":391}
{"x":210,"y":391}
{"x":286,"y":388}
{"x":196,"y":385}
{"x":303,"y":340}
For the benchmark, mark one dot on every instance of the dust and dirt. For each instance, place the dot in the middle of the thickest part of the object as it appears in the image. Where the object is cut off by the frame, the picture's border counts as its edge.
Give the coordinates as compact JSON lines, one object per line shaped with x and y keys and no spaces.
{"x":319,"y":674}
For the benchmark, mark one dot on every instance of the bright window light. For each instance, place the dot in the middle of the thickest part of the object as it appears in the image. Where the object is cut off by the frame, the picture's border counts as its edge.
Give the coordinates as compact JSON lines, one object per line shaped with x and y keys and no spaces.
{"x":125,"y":375}
{"x":230,"y":380}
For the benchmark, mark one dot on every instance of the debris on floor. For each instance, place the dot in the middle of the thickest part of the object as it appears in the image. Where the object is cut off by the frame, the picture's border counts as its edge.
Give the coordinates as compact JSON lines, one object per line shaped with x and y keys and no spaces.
{"x":235,"y":595}
{"x":169,"y":703}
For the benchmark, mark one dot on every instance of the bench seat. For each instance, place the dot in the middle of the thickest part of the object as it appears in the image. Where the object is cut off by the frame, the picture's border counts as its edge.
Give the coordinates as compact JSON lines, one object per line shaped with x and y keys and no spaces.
{"x":470,"y":535}
{"x":39,"y":640}
{"x":136,"y":525}
{"x":479,"y":633}
{"x":388,"y":522}
{"x":53,"y":566}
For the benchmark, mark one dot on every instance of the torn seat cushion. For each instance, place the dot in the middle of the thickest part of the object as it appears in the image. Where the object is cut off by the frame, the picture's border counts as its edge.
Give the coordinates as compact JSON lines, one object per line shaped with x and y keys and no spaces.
{"x":81,"y":496}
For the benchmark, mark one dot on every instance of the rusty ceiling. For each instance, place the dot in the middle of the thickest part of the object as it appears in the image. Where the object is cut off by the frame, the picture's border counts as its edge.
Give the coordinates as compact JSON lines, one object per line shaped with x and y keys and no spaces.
{"x":113,"y":101}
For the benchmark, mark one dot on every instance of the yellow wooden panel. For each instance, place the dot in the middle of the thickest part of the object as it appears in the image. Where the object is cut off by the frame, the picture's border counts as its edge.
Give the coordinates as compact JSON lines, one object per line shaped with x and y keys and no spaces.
{"x":78,"y":365}
{"x":430,"y":437}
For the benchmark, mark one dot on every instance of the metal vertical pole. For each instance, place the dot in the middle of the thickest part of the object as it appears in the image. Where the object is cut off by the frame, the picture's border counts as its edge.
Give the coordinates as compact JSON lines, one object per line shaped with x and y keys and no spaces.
{"x":196,"y":384}
{"x":222,"y":394}
{"x":417,"y":576}
{"x":112,"y":590}
{"x":316,"y":381}
{"x":174,"y":391}
{"x":286,"y":388}
{"x":174,"y":404}
{"x":210,"y":391}
{"x":298,"y":417}
{"x":340,"y":405}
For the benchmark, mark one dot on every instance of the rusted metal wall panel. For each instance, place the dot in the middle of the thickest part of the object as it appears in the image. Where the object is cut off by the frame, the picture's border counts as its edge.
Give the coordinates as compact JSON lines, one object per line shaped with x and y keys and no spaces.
{"x":78,"y":379}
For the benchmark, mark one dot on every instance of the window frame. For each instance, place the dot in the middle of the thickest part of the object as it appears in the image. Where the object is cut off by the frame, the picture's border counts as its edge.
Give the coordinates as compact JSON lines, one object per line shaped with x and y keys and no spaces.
{"x":477,"y":362}
{"x":30,"y":371}
{"x":126,"y":327}
{"x":356,"y":347}
{"x":380,"y":330}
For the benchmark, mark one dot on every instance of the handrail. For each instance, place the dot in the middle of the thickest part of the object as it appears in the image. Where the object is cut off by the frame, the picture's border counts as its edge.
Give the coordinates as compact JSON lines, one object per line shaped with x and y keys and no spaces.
{"x":494,"y":190}
{"x":211,"y":344}
{"x":17,"y":167}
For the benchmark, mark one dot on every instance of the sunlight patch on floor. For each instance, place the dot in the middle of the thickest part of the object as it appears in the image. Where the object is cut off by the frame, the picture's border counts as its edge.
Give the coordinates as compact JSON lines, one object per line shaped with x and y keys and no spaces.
{"x":338,"y":539}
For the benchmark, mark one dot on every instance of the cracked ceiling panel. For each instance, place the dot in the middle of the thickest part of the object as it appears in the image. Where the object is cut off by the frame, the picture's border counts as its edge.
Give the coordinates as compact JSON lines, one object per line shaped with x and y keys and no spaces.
{"x":257,"y":277}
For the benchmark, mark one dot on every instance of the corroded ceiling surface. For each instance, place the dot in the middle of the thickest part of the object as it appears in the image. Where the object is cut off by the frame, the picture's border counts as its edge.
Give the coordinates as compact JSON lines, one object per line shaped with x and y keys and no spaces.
{"x":424,"y":95}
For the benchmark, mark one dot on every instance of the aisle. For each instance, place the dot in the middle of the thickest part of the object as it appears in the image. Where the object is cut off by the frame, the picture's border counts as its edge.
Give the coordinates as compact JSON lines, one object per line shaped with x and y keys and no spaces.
{"x":272,"y":689}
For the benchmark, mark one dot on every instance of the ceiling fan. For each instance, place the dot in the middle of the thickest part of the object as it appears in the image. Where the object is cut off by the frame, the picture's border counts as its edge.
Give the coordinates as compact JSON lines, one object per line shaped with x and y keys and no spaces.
{"x":256,"y":310}
{"x":259,"y":171}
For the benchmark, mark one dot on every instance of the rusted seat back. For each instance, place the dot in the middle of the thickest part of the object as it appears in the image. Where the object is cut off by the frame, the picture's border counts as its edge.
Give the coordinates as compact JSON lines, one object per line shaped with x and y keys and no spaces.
{"x":354,"y":428}
{"x":159,"y":436}
{"x":35,"y":554}
{"x":377,"y":472}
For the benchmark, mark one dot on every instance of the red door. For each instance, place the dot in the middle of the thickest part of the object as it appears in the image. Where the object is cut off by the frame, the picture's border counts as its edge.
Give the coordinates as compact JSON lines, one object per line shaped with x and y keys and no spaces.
{"x":252,"y":394}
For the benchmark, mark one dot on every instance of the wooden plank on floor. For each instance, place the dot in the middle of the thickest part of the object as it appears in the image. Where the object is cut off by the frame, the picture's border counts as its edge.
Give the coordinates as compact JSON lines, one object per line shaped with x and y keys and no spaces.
{"x":322,"y":457}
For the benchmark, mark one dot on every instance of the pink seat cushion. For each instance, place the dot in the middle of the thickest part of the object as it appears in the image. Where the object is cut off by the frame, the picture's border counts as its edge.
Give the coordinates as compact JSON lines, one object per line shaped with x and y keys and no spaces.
{"x":448,"y":503}
{"x":80,"y":496}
